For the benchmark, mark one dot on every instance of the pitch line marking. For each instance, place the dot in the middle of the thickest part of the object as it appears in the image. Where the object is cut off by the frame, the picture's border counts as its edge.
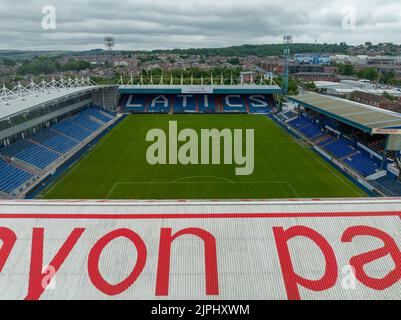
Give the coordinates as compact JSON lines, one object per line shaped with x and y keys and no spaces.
{"x":117,"y":183}
{"x":213,"y":177}
{"x":345,"y":181}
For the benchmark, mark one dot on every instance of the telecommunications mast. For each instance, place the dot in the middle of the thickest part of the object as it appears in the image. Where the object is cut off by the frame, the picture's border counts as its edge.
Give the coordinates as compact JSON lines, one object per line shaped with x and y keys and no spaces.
{"x":287,"y":52}
{"x":109,"y":43}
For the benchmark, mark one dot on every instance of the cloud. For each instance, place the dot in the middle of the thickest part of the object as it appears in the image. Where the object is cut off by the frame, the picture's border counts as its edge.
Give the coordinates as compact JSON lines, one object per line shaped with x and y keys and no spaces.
{"x":151,"y":24}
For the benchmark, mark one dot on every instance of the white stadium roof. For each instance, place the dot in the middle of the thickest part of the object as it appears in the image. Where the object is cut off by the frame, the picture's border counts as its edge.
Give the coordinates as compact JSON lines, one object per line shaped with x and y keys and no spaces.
{"x":23,"y":98}
{"x":365,"y":117}
{"x":27,"y":102}
{"x":200,"y":250}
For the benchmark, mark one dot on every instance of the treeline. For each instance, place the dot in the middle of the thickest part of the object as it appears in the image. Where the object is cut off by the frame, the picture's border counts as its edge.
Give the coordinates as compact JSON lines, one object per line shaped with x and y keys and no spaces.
{"x":259,"y":50}
{"x":7,"y":62}
{"x":49,"y":65}
{"x":196,"y":72}
{"x":293,"y":85}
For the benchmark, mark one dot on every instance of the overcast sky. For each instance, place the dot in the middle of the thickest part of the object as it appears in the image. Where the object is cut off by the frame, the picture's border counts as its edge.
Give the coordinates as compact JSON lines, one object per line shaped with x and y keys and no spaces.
{"x":151,"y":24}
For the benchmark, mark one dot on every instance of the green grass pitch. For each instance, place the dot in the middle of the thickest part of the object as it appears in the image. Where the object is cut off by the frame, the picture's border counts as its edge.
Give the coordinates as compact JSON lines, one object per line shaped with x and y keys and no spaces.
{"x":117,"y":168}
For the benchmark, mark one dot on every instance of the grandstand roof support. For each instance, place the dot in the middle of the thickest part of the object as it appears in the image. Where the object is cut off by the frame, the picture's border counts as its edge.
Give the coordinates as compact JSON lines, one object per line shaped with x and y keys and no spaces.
{"x":21,"y":91}
{"x":191,"y":80}
{"x":385,"y":152}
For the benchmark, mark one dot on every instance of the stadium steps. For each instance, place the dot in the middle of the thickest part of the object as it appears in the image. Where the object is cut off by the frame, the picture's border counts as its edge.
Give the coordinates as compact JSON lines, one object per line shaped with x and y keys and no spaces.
{"x":171,"y":111}
{"x":330,"y":142}
{"x":64,"y":135}
{"x":350,"y":155}
{"x":94,"y":119}
{"x":246,"y":104}
{"x":321,"y":139}
{"x":43,"y":146}
{"x":219,"y":105}
{"x":12,"y":178}
{"x":81,"y":125}
{"x":107,"y":115}
{"x":22,"y":165}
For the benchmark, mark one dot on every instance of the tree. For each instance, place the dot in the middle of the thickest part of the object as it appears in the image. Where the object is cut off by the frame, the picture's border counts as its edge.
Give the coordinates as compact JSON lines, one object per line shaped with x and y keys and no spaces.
{"x":346,"y":69}
{"x":388,"y":96}
{"x":8,"y":62}
{"x":234,"y":61}
{"x":370,"y":73}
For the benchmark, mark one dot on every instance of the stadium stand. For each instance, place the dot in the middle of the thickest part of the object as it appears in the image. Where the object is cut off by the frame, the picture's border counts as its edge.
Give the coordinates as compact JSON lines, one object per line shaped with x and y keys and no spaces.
{"x":259,"y":103}
{"x":234,"y":103}
{"x":135,"y":103}
{"x":186,"y":103}
{"x":206,"y":103}
{"x":31,"y":153}
{"x":72,"y":130}
{"x":43,"y":148}
{"x":307,"y":127}
{"x":363,"y":164}
{"x":159,"y":103}
{"x":55,"y":141}
{"x":390,"y":186}
{"x":198,"y":103}
{"x":12,"y":178}
{"x":342,"y":148}
{"x":325,"y":140}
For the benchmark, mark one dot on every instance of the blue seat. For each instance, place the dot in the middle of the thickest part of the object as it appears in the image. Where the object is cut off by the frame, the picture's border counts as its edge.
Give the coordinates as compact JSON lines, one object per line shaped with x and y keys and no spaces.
{"x":72,"y":130}
{"x":185,"y":103}
{"x":339,"y":148}
{"x":135,"y":103}
{"x":12,"y":178}
{"x":160,"y":103}
{"x":234,"y":103}
{"x":48,"y":145}
{"x":55,"y":141}
{"x":206,"y":103}
{"x":363,"y":164}
{"x":31,"y":153}
{"x":258,"y":103}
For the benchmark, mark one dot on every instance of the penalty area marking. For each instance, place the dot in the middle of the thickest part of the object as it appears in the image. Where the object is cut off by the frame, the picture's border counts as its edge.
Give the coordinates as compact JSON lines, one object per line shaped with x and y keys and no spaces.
{"x":178,"y":182}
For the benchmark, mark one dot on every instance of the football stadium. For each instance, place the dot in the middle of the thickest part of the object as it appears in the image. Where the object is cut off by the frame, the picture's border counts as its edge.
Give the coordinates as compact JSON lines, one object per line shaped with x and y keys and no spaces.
{"x":77,"y":140}
{"x":76,"y":184}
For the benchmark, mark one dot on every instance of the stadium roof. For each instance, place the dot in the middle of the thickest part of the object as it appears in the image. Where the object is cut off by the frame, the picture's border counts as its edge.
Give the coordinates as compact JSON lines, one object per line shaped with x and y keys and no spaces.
{"x":220,"y":250}
{"x":367,"y":118}
{"x":21,"y":104}
{"x":200,"y":89}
